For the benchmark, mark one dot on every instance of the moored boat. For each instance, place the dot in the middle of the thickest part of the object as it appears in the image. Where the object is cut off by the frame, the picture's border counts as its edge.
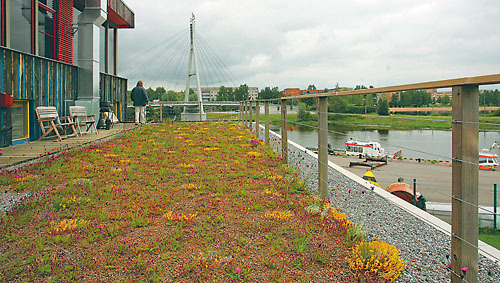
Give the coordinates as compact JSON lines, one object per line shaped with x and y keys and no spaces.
{"x":364,"y":148}
{"x":487,"y":160}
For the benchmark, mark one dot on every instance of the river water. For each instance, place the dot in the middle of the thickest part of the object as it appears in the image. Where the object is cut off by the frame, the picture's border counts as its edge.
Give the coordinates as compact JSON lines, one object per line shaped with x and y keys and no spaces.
{"x":426,"y":144}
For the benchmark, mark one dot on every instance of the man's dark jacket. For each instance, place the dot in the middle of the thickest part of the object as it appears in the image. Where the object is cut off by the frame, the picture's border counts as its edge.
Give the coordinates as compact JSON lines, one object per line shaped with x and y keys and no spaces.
{"x":139,"y":96}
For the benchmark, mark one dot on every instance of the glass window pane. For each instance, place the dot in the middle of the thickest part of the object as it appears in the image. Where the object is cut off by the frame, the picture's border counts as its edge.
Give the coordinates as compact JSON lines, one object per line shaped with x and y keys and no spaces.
{"x":111,"y":57}
{"x":48,"y":3}
{"x":18,"y":123}
{"x":20,"y":25}
{"x":46,"y":48}
{"x":45,"y":21}
{"x":46,"y":33}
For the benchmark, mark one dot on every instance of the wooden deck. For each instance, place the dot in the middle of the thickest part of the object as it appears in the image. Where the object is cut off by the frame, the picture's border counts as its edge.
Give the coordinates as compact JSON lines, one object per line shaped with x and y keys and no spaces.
{"x":21,"y":153}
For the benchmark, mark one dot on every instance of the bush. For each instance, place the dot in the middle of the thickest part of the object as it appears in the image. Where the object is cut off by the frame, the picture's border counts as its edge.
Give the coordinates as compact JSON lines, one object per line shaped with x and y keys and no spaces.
{"x":383,"y":108}
{"x":303,"y":114}
{"x":376,"y":257}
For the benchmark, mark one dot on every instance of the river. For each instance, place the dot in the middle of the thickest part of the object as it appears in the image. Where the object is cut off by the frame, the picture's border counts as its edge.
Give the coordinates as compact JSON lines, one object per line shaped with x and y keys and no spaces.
{"x":426,"y":144}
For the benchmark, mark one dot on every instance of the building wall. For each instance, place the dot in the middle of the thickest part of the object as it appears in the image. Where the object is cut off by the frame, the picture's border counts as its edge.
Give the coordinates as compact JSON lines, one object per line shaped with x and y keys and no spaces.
{"x":51,"y":79}
{"x":210,"y":93}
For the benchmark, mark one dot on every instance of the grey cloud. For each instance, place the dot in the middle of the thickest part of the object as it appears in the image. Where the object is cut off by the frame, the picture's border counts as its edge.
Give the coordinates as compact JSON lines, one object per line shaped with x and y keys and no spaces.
{"x":296,"y":43}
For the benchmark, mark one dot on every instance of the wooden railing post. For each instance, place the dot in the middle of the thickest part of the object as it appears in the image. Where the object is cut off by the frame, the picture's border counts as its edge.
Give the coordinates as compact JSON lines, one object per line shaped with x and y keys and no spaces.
{"x":257,"y":114}
{"x":246,"y":111}
{"x":250,"y":125}
{"x":464,"y":210}
{"x":239,"y":113}
{"x":284,"y":133}
{"x":323,"y":147}
{"x":266,"y":110}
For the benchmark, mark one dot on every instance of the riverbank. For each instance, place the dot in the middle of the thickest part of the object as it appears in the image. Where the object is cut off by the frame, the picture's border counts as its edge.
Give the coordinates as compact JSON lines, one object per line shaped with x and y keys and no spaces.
{"x":376,"y":122}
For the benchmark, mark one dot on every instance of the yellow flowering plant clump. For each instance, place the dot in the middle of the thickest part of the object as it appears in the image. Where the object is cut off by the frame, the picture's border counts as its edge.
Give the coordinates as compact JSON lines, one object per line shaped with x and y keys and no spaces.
{"x":189,"y":187}
{"x":66,"y":225}
{"x":185,"y":218}
{"x":253,"y":154}
{"x":185,"y":166}
{"x":376,"y":257}
{"x":278,"y":215}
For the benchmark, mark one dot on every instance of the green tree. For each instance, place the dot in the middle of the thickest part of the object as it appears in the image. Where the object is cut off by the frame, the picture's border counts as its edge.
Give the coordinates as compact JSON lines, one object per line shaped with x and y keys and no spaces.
{"x":172,"y":96}
{"x":337,"y":104}
{"x":151,"y":94}
{"x":221,"y":94}
{"x":241,"y":93}
{"x":383,"y":107}
{"x":269,"y":93}
{"x":160,"y":92}
{"x":311,"y":87}
{"x":303,"y":114}
{"x":394,"y":100}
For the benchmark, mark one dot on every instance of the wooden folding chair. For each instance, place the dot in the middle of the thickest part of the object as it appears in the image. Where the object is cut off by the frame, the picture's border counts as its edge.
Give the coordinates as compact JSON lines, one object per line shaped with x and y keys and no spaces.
{"x":80,"y":118}
{"x":50,"y":121}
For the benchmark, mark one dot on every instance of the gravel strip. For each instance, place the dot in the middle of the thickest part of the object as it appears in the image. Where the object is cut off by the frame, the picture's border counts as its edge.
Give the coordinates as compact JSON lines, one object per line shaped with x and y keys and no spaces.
{"x":9,"y":200}
{"x":425,"y":249}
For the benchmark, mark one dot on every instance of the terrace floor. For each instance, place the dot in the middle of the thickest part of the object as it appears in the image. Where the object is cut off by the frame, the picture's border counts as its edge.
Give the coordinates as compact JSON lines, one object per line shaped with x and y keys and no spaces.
{"x":20,"y":153}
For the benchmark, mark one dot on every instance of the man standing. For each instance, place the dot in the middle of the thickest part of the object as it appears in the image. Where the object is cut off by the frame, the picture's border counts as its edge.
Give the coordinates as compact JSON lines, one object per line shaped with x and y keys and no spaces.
{"x":140,"y":99}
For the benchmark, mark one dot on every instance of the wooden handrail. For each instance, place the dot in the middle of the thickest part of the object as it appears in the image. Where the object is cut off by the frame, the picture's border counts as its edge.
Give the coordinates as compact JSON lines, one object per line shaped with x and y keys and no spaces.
{"x":478,"y":80}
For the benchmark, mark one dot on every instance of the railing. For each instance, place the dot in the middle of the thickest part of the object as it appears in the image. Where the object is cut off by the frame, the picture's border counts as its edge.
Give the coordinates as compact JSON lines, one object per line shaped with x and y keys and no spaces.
{"x":465,"y":117}
{"x":114,"y":89}
{"x":40,"y":80}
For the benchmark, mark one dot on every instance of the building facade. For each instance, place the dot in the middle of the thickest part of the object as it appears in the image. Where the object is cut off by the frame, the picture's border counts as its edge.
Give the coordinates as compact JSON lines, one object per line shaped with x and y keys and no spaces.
{"x":298,"y":91}
{"x":59,"y":53}
{"x":210,"y":93}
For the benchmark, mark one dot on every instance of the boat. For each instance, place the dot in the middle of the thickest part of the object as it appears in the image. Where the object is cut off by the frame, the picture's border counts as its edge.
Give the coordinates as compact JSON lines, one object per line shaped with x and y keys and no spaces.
{"x":363,"y":148}
{"x":405,"y":192}
{"x":487,"y":160}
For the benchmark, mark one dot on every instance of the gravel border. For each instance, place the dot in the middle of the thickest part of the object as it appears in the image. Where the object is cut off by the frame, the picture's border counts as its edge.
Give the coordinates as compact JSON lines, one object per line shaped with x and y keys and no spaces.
{"x":424,"y":248}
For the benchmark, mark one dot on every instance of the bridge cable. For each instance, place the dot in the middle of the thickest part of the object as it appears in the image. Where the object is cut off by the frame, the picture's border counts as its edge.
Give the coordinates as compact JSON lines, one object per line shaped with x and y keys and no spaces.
{"x":175,"y":52}
{"x":155,"y":56}
{"x":213,"y":63}
{"x":218,"y":60}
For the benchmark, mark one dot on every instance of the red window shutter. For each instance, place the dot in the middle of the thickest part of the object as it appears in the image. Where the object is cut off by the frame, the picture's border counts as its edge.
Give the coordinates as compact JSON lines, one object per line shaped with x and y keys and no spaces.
{"x":64,"y":31}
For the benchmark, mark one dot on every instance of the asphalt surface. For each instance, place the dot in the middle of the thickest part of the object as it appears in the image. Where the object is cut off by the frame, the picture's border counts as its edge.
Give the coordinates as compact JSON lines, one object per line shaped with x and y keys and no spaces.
{"x":433,"y":180}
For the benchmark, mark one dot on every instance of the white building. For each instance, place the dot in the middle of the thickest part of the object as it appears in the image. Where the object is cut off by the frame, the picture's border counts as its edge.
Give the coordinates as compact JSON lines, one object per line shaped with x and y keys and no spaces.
{"x":210,"y":93}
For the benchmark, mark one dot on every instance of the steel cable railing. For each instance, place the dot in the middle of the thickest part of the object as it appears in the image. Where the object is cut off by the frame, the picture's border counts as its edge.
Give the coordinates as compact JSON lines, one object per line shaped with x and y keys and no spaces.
{"x":423,"y":185}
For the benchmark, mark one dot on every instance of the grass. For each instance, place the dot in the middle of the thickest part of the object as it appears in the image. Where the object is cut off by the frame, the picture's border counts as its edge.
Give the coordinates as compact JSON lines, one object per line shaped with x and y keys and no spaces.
{"x":374,"y":121}
{"x":490,"y":236}
{"x":189,"y":202}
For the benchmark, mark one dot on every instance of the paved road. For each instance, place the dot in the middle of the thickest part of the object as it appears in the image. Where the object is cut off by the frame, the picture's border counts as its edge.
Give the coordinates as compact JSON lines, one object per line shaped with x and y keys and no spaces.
{"x":433,"y":180}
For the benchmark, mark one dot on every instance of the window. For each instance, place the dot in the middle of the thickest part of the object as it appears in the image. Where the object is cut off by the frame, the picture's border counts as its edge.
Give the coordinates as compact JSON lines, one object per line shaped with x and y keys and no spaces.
{"x":20,"y":122}
{"x":20,"y":25}
{"x":46,"y":29}
{"x":111,"y":51}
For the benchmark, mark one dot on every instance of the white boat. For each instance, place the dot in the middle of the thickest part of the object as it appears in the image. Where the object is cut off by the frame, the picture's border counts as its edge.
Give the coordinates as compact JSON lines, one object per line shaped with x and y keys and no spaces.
{"x":487,"y":160}
{"x":363,"y":148}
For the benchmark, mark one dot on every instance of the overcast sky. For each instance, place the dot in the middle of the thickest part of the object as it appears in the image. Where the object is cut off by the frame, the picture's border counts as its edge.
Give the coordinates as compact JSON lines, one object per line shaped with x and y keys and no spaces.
{"x":297,"y":43}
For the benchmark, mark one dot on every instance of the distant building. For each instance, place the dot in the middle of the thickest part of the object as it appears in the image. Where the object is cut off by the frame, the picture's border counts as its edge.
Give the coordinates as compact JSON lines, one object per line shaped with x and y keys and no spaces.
{"x":211,"y":93}
{"x":298,"y":91}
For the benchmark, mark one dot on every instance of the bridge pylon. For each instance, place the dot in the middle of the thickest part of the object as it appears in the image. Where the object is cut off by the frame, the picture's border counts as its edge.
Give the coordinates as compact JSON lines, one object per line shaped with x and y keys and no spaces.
{"x":193,"y":114}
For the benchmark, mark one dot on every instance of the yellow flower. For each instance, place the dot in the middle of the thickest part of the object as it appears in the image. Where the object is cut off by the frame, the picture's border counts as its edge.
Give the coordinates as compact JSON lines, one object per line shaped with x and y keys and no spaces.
{"x":253,"y":154}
